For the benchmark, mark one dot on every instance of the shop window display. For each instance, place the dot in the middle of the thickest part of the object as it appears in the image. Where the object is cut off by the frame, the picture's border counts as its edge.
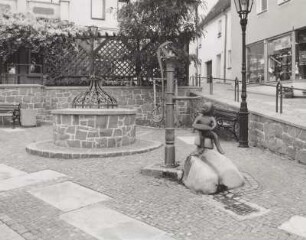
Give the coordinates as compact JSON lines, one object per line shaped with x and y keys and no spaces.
{"x":256,"y":63}
{"x":301,"y":56}
{"x":280,"y":59}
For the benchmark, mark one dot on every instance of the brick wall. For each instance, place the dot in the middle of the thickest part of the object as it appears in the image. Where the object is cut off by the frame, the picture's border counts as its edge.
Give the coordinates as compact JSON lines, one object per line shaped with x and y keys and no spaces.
{"x":45,"y":99}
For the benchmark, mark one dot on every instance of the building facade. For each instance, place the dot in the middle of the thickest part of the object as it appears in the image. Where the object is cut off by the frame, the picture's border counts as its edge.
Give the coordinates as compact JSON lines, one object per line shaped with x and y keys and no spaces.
{"x":214,"y":48}
{"x":101,"y":13}
{"x":26,"y":66}
{"x":276,"y":41}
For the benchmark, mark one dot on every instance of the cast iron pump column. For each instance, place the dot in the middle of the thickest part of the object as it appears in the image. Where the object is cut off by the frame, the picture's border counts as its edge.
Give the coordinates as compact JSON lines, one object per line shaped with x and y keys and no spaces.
{"x":169,"y":128}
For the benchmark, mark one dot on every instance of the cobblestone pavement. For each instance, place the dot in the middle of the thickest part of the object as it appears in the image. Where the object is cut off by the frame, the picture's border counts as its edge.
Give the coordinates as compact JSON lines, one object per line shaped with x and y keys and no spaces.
{"x":274,"y":183}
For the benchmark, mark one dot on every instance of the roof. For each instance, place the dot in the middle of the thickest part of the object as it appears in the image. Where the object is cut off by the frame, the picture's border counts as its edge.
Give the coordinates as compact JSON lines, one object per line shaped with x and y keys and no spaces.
{"x":219,"y":8}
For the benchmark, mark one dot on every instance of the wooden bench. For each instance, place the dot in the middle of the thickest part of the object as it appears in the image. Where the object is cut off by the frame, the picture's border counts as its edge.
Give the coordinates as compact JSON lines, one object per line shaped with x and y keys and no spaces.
{"x":227,"y":120}
{"x":10,"y":110}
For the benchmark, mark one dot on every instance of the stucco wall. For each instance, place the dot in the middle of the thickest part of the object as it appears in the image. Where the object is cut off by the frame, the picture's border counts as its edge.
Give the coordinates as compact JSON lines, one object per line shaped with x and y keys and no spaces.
{"x":80,"y":13}
{"x":77,"y":11}
{"x":210,"y":45}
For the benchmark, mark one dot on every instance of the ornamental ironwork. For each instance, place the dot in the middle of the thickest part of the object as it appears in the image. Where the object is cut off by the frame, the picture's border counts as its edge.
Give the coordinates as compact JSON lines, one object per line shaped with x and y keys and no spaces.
{"x":94,"y":96}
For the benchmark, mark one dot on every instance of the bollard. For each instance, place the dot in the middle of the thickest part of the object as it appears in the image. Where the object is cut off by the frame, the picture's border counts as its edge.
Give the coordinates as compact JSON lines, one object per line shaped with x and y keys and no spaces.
{"x":279,"y":97}
{"x":211,"y":87}
{"x":236,"y":90}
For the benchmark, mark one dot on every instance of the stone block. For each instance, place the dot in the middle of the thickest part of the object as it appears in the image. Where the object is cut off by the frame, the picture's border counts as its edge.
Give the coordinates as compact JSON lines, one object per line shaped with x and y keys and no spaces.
{"x":66,"y":119}
{"x":75,"y":120}
{"x":291,"y":152}
{"x":106,"y":132}
{"x":101,"y":143}
{"x":81,"y":135}
{"x":288,"y":140}
{"x":83,"y":122}
{"x":276,"y":145}
{"x":70,"y":130}
{"x":86,"y":144}
{"x":91,"y":123}
{"x":302,"y":135}
{"x":27,"y":99}
{"x":10,"y":99}
{"x":301,"y":156}
{"x":126,"y":141}
{"x":64,"y":137}
{"x":93,"y":134}
{"x":227,"y":172}
{"x":199,"y":176}
{"x":113,"y":122}
{"x":111,"y":142}
{"x":101,"y":122}
{"x":299,"y":144}
{"x":74,"y":143}
{"x":118,"y":132}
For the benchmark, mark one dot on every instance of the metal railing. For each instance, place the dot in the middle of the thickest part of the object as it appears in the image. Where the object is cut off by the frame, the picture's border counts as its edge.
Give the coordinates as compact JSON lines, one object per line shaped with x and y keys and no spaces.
{"x":280,"y":90}
{"x":196,"y":81}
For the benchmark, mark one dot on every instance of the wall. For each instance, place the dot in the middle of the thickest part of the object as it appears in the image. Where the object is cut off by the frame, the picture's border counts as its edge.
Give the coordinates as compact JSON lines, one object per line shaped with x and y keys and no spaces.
{"x":278,"y":19}
{"x":77,"y":11}
{"x":80,"y":13}
{"x":211,"y":45}
{"x":45,"y":99}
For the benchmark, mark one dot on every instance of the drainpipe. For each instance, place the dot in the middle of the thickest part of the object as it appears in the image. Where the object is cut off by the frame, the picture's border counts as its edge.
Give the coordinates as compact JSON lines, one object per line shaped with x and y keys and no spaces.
{"x":225,"y":47}
{"x":293,"y":55}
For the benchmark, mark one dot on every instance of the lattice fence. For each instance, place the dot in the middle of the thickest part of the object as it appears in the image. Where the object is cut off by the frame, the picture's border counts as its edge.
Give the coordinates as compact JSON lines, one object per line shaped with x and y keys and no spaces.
{"x":117,"y":62}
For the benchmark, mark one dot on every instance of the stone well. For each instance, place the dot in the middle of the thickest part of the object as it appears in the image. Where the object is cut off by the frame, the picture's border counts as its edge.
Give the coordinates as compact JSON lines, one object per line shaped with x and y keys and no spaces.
{"x":94,"y":128}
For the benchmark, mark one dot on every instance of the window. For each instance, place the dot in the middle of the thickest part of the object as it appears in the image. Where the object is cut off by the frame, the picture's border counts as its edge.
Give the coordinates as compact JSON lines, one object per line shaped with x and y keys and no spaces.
{"x":229,"y":59}
{"x":46,"y":1}
{"x":282,"y":1}
{"x":98,"y":9}
{"x":35,"y":63}
{"x":262,"y":6}
{"x":219,"y":28}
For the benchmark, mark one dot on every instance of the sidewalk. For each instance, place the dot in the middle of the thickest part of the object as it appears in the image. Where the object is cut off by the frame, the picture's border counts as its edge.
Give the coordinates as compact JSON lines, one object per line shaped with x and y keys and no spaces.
{"x":261,"y":99}
{"x":119,"y":200}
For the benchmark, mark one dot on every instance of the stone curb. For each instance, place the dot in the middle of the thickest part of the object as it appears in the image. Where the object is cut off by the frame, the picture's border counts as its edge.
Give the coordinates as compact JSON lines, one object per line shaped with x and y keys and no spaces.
{"x":70,"y":153}
{"x":158,"y":170}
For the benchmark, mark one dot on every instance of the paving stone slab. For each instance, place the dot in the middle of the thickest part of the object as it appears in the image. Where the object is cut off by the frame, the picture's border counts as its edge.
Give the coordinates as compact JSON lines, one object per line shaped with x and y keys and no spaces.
{"x":9,"y":172}
{"x":29,"y":179}
{"x":295,"y":225}
{"x":68,"y":196}
{"x":188,"y":140}
{"x":105,"y":224}
{"x":8,"y":234}
{"x":9,"y":130}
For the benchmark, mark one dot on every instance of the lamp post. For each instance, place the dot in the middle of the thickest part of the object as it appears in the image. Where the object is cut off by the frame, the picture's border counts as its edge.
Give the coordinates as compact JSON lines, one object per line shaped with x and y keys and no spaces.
{"x":243,"y":8}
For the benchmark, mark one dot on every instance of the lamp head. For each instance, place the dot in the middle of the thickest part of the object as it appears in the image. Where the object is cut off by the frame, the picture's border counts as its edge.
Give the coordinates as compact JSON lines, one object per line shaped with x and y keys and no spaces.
{"x":243,"y":7}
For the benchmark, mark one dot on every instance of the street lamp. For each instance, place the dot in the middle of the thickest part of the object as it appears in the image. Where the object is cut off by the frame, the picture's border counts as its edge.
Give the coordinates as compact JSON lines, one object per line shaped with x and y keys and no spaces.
{"x":243,"y":8}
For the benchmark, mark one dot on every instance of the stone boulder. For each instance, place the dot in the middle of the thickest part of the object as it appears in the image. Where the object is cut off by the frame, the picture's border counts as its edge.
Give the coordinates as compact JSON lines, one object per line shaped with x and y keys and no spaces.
{"x":199,"y":176}
{"x":227,"y":172}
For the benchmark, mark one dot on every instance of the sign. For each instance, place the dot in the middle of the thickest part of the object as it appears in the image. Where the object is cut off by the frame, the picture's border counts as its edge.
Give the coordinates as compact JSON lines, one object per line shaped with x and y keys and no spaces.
{"x":281,"y":43}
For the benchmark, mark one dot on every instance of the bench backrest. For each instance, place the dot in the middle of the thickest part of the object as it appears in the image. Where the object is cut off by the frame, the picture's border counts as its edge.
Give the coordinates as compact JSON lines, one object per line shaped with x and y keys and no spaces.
{"x":226,"y":114}
{"x":7,"y":107}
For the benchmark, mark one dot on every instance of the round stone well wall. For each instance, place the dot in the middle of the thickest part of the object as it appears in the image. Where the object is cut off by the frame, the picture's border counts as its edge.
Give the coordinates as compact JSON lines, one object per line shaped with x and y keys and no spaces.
{"x":94,"y":128}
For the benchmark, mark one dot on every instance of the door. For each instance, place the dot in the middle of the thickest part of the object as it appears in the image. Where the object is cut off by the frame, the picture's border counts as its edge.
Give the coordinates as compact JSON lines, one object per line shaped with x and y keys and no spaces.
{"x":208,"y":69}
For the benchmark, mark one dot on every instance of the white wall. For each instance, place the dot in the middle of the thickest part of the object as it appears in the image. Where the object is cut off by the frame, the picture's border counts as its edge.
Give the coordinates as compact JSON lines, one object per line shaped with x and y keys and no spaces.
{"x":211,"y":46}
{"x":80,"y":13}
